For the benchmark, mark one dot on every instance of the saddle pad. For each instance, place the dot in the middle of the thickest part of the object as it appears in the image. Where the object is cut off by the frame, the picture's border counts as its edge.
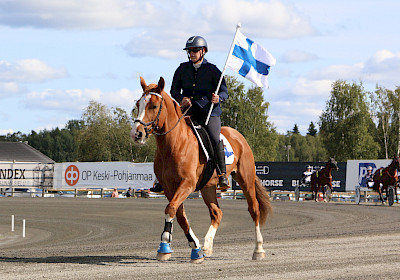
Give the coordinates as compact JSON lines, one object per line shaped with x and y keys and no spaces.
{"x":198,"y":130}
{"x":229,"y":155}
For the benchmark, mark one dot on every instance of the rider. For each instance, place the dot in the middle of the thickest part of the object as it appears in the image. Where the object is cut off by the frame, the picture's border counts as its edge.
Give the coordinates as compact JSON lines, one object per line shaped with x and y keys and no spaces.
{"x":367,"y":178}
{"x":194,"y":84}
{"x":306,"y":175}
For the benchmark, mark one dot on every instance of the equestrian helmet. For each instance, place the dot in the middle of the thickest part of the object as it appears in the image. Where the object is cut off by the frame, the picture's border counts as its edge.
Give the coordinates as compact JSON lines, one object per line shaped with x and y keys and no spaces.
{"x":369,"y":168}
{"x":196,"y":42}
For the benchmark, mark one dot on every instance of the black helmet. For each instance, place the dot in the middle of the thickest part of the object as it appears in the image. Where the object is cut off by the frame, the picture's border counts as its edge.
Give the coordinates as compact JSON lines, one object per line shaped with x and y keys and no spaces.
{"x":196,"y":42}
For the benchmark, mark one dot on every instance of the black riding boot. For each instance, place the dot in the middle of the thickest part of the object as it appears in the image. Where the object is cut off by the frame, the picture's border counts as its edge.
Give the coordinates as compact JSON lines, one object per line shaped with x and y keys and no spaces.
{"x":221,"y":167}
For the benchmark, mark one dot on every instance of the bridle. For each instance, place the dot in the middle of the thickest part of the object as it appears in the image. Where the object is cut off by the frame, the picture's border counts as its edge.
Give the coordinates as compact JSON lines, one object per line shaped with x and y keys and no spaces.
{"x":154,"y":123}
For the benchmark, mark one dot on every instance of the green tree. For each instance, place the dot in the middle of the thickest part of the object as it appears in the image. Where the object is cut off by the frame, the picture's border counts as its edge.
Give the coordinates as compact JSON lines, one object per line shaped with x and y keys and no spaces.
{"x":105,"y":136}
{"x":312,"y":131}
{"x":346,"y":123}
{"x":248,"y":113}
{"x":296,"y":130}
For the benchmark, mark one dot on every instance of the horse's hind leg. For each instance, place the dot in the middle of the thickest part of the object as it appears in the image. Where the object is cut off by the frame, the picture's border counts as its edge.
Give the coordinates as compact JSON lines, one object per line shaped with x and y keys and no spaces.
{"x":210,"y":198}
{"x":258,"y":207}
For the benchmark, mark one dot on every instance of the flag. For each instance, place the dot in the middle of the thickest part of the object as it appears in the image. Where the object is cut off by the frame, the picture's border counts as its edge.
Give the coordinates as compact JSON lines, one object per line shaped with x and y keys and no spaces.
{"x":250,"y":60}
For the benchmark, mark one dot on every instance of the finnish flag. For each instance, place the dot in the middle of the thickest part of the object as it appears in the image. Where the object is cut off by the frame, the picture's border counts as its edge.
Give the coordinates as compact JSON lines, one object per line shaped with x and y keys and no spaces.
{"x":250,"y":60}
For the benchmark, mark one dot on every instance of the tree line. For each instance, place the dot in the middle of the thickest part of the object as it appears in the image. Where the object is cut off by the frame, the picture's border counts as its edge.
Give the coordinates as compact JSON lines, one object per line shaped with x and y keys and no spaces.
{"x":355,"y":124}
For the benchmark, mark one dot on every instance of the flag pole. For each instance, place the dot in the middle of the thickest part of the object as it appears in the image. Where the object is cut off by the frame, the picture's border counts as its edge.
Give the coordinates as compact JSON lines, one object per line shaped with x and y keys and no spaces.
{"x":223,"y":71}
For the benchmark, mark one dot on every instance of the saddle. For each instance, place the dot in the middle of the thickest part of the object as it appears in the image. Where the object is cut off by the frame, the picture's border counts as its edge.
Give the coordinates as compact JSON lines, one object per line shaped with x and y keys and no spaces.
{"x":205,"y":145}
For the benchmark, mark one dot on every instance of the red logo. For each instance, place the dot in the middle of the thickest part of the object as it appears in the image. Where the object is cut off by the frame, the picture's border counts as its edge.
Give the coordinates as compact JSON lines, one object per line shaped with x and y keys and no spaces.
{"x":72,"y":175}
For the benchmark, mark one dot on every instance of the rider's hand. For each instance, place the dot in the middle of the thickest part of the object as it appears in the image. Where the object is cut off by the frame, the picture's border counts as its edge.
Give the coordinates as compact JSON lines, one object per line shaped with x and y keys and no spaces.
{"x":215,"y":98}
{"x":186,"y":102}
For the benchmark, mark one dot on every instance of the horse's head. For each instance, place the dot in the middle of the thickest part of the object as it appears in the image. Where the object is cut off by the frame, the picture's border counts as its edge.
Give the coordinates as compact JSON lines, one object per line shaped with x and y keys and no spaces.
{"x":332,"y":163}
{"x":396,"y":162}
{"x":149,"y":108}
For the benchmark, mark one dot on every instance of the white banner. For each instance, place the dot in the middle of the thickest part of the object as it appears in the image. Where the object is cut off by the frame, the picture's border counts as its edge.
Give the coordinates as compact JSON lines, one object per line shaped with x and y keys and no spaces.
{"x":121,"y":175}
{"x":356,"y":170}
{"x":26,"y":174}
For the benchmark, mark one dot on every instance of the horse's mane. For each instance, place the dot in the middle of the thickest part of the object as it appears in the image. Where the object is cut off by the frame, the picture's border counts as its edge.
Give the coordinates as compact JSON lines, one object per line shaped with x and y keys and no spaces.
{"x":166,"y":96}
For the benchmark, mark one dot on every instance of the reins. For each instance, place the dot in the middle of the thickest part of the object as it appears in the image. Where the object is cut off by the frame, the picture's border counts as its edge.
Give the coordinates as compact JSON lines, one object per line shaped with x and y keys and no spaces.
{"x":164,"y":133}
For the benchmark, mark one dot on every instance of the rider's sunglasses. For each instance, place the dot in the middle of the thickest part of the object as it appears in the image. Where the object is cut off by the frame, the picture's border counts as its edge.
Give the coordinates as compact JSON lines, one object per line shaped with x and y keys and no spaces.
{"x":195,"y":50}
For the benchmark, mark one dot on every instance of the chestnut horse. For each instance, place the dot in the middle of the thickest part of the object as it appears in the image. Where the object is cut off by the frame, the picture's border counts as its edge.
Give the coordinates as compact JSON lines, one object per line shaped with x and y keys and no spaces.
{"x":385,"y":177}
{"x":179,"y":166}
{"x":322,"y":178}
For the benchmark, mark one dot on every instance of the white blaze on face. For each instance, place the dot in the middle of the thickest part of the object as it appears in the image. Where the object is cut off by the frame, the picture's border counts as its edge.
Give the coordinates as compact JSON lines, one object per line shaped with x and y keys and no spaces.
{"x":142,"y":111}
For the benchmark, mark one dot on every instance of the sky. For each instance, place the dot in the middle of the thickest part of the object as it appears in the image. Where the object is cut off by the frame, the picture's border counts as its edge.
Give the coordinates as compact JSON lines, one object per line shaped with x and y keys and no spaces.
{"x":57,"y":55}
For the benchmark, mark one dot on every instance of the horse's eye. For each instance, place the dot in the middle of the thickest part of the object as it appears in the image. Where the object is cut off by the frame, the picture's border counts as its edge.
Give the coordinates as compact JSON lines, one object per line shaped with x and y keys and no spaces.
{"x":153,"y":106}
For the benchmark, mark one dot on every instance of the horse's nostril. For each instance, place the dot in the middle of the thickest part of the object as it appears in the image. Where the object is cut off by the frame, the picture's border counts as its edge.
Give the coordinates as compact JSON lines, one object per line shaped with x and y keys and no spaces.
{"x":139,"y":135}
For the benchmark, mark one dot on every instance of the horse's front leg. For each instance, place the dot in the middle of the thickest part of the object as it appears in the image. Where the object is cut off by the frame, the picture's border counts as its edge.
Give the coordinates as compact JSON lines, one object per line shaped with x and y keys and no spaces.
{"x":175,"y":203}
{"x":197,"y":255}
{"x":380,"y":195}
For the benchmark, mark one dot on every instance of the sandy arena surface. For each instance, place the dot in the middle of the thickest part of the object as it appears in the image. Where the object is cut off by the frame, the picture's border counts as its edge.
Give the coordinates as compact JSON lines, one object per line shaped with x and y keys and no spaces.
{"x":81,"y":238}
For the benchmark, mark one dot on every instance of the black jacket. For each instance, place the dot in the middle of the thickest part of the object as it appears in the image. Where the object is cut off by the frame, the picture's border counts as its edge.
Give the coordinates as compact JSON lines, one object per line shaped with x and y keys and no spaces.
{"x":199,"y":86}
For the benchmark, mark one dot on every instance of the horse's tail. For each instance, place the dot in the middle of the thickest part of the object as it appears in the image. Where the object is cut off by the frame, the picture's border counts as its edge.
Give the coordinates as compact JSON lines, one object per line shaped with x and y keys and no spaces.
{"x":263,"y":201}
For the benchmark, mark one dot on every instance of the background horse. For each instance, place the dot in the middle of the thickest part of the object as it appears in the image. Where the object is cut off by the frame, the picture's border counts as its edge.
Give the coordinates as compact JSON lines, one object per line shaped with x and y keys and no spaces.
{"x":179,"y":165}
{"x":322,"y":178}
{"x":385,"y":177}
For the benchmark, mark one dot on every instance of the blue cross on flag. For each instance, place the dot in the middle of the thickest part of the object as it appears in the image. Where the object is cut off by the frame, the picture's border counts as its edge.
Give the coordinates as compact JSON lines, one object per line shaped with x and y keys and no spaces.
{"x":250,"y":60}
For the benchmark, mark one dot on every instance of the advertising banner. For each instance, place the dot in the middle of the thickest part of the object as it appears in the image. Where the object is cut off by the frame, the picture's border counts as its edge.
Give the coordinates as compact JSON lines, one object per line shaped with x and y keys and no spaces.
{"x":356,"y":170}
{"x":26,"y":174}
{"x":287,"y":175}
{"x":103,"y":175}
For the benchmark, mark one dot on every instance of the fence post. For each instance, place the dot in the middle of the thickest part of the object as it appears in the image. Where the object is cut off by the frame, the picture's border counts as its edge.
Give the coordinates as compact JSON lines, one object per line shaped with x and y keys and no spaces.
{"x":76,"y":193}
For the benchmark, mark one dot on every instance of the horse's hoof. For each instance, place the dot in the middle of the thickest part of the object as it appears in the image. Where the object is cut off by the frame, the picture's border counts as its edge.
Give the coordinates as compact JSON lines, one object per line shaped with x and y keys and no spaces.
{"x":197,"y":255}
{"x":208,"y":252}
{"x":197,"y":260}
{"x":258,"y":256}
{"x":163,"y":257}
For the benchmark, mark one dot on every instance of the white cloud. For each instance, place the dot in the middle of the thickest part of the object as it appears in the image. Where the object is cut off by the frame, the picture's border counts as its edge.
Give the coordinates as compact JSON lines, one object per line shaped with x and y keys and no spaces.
{"x":75,"y":100}
{"x":297,"y":56}
{"x":9,"y":89}
{"x":29,"y":71}
{"x":382,"y":68}
{"x":76,"y":14}
{"x":285,"y":114}
{"x":6,"y":131}
{"x":271,"y":19}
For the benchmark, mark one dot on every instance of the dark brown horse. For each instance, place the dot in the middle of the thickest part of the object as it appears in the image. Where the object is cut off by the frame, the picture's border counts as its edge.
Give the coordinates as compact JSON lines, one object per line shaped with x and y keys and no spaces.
{"x":322,"y":178}
{"x":385,"y":177}
{"x":179,"y":166}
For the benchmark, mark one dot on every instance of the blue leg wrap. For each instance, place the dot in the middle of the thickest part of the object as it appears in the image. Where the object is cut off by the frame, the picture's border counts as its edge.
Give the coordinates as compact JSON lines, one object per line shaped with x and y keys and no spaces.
{"x":165,"y":248}
{"x":197,"y":254}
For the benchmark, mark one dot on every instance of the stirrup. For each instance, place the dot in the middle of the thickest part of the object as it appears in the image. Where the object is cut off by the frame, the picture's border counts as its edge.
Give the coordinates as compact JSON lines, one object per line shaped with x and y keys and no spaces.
{"x":224,"y":187}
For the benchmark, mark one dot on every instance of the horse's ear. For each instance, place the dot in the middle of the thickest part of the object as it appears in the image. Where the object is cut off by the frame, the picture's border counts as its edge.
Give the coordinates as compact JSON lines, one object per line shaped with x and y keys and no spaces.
{"x":161,"y":84}
{"x":143,"y":83}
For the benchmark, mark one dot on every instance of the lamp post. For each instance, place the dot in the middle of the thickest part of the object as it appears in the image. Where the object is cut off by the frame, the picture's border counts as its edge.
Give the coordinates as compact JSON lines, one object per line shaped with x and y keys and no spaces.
{"x":288,"y":149}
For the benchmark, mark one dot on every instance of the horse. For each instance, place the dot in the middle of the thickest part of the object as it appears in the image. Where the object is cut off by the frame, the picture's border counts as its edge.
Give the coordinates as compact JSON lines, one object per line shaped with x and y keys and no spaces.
{"x":179,"y":165}
{"x":322,"y":178}
{"x":385,"y":177}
